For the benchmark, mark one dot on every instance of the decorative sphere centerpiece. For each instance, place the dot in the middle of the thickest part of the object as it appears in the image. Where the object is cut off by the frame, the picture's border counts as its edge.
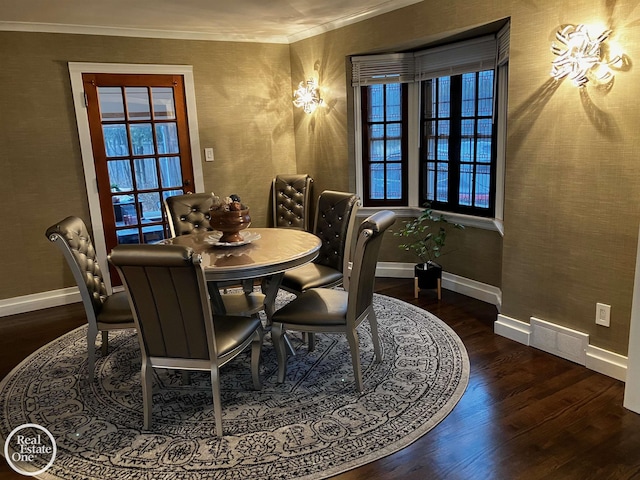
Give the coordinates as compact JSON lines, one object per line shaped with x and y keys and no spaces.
{"x":229,"y":216}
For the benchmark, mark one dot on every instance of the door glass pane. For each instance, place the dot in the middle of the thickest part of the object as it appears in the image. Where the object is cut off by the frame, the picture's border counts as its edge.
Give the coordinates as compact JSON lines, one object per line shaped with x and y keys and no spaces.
{"x":163,"y":104}
{"x":138,"y":106}
{"x":146,"y":173}
{"x":115,"y":140}
{"x":151,"y":206}
{"x":129,"y":235}
{"x":171,"y":193}
{"x":142,"y":139}
{"x":111,"y":104}
{"x":120,"y":175}
{"x":167,"y":137}
{"x":170,"y":172}
{"x":124,"y":210}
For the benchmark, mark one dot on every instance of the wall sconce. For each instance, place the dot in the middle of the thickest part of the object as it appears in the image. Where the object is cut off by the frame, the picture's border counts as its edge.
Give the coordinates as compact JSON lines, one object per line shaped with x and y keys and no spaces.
{"x":307,"y":96}
{"x":580,"y":57}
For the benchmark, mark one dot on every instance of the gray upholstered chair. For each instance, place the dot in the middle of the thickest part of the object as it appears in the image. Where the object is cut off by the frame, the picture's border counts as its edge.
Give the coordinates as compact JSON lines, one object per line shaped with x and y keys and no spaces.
{"x":334,"y":223}
{"x":188,"y":213}
{"x":176,"y":327}
{"x":104,"y":312}
{"x":339,"y":311}
{"x":291,"y":201}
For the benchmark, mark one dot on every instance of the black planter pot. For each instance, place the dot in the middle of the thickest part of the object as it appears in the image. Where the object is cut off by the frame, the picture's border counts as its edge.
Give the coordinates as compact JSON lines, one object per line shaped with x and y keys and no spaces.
{"x":427,"y":276}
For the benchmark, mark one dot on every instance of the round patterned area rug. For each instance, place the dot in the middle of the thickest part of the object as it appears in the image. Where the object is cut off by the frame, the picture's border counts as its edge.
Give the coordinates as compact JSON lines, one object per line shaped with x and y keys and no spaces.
{"x":313,"y":426}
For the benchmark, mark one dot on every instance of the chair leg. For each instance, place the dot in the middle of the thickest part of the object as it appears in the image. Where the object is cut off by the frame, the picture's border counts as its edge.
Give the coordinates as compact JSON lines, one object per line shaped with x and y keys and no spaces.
{"x":105,"y":342}
{"x":311,"y":338}
{"x":256,"y":349}
{"x":277,"y":337}
{"x":352,"y":337}
{"x":92,"y":333}
{"x":217,"y":400}
{"x":375,"y":337}
{"x":186,"y":377}
{"x":146,"y":375}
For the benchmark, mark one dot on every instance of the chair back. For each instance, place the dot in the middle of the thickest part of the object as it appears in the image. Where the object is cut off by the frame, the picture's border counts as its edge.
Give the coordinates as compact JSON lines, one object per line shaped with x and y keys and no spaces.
{"x":365,"y":258}
{"x":72,"y":237}
{"x":334,"y":224}
{"x":291,"y":201}
{"x":168,"y":296}
{"x":188,"y":213}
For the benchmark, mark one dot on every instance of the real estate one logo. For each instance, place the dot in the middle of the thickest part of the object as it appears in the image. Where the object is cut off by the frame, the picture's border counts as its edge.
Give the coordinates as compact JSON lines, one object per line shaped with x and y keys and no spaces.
{"x":30,"y":446}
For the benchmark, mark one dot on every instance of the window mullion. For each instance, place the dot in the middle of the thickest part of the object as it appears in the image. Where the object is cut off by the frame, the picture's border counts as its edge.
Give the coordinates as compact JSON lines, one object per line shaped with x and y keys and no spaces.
{"x":455,"y":132}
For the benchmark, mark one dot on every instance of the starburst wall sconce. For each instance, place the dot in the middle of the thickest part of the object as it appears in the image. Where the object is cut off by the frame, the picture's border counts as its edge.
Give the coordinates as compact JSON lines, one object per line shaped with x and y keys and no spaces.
{"x":307,"y":96}
{"x":581,"y":57}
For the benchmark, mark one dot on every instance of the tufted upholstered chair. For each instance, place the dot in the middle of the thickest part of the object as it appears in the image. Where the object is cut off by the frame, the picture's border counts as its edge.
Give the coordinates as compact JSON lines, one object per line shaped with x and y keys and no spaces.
{"x":188,"y":213}
{"x":168,"y":294}
{"x":334,"y":223}
{"x":339,"y":311}
{"x":291,"y":201}
{"x":104,"y":312}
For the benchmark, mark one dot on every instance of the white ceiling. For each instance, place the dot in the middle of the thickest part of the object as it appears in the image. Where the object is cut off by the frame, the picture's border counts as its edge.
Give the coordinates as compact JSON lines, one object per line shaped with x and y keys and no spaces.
{"x":269,"y":21}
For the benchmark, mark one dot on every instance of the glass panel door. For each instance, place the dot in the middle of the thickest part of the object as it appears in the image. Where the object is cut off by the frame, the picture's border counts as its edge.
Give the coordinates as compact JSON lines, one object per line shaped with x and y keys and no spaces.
{"x":141,"y":151}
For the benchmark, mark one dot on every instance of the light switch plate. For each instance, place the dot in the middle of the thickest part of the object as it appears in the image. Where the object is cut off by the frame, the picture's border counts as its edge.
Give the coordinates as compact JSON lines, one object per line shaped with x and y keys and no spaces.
{"x":208,"y":154}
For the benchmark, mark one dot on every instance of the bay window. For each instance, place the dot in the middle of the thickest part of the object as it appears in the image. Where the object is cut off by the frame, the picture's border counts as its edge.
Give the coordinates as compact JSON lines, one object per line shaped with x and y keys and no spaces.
{"x":430,"y":127}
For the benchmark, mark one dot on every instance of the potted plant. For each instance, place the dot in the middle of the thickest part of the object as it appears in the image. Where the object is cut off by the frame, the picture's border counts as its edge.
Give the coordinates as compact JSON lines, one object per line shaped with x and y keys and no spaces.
{"x":426,"y":236}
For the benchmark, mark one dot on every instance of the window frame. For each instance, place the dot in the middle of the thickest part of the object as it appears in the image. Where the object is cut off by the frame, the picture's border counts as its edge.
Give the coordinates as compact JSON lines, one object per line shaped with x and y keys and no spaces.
{"x":366,"y":160}
{"x":454,"y":160}
{"x":399,"y":69}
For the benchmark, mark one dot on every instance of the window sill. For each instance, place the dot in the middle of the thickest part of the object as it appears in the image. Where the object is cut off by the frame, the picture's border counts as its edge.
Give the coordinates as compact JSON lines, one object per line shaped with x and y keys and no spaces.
{"x":493,"y":224}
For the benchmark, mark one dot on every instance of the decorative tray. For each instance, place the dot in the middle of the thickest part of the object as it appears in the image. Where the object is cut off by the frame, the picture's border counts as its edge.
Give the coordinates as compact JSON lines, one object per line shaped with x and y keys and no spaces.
{"x":247,"y":237}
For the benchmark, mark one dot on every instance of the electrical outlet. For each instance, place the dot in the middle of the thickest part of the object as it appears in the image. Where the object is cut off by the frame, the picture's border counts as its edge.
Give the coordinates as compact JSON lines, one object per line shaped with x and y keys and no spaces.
{"x":603,"y":314}
{"x":208,"y":154}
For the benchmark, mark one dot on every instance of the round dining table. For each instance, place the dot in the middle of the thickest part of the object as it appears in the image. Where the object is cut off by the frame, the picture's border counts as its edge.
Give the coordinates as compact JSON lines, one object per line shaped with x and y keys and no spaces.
{"x":264,"y":253}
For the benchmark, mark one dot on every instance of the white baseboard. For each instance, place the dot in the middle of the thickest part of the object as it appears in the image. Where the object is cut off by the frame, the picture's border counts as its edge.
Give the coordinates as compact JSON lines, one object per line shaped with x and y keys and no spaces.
{"x":470,"y":288}
{"x":65,"y":296}
{"x":38,"y":301}
{"x":607,"y":363}
{"x":597,"y":359}
{"x":513,"y":329}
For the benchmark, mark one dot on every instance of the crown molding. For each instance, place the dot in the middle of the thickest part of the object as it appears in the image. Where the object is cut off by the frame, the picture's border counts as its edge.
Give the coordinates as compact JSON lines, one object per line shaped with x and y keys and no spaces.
{"x":207,"y":36}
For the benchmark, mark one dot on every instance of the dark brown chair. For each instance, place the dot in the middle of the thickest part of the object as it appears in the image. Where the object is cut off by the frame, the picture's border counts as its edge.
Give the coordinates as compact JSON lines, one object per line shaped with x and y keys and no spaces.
{"x":104,"y":312}
{"x":291,"y":201}
{"x":168,"y":294}
{"x":338,"y":311}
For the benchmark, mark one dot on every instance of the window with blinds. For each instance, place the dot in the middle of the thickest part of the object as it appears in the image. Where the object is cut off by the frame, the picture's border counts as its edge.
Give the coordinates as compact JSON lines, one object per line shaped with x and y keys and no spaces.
{"x":457,"y":104}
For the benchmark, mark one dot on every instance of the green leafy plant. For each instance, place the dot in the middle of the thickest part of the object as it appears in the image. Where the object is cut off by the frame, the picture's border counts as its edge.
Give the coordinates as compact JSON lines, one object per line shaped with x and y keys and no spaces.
{"x":426,"y":235}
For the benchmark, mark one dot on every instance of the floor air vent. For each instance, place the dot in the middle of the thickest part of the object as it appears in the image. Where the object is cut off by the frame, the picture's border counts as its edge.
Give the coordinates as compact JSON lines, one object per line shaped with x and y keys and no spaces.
{"x":560,"y":341}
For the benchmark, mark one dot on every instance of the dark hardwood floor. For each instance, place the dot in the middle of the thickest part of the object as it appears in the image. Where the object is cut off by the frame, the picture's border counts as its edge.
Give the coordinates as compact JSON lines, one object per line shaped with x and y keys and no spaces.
{"x":525,"y":414}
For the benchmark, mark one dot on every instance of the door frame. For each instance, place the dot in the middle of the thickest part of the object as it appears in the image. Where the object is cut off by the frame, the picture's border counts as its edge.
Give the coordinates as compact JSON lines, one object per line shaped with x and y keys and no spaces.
{"x":76,"y":70}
